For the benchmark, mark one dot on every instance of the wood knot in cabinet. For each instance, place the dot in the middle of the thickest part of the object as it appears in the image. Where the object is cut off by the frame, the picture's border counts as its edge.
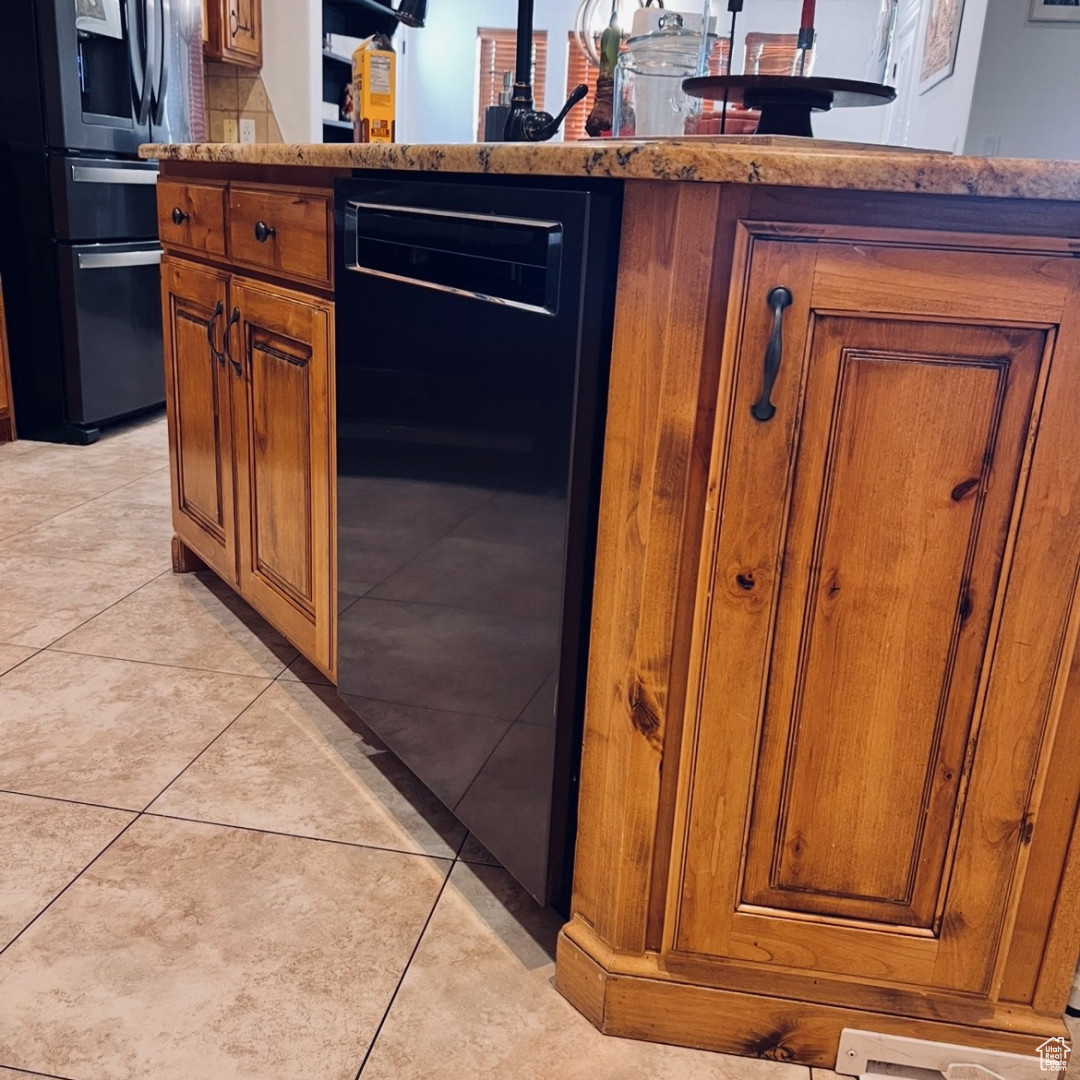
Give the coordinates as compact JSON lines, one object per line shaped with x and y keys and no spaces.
{"x":644,"y":714}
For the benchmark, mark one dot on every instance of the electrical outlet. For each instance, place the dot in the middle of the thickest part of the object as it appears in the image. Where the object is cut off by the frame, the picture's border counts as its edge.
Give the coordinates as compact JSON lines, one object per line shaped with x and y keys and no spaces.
{"x":991,"y":146}
{"x":247,"y":130}
{"x":230,"y":131}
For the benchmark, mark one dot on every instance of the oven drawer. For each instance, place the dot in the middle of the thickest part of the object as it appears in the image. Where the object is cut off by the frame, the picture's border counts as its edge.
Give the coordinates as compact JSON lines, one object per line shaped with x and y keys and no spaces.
{"x":281,"y":232}
{"x":192,"y":216}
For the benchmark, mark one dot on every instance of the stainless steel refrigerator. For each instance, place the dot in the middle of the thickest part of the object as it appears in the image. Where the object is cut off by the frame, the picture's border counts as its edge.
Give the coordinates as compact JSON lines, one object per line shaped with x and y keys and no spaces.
{"x":82,"y":84}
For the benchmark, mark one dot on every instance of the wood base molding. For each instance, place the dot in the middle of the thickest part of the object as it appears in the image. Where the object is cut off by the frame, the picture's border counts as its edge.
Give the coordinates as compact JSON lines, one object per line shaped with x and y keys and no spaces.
{"x":184,"y":560}
{"x":633,"y":1006}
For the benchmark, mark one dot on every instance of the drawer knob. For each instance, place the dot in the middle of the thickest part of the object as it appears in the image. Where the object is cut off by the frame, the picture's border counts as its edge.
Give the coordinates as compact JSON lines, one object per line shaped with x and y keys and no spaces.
{"x":178,"y":216}
{"x":263,"y":232}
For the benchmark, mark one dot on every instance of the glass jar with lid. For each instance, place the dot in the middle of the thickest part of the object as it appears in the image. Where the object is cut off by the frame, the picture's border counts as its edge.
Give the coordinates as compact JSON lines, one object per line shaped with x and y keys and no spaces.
{"x":663,"y":50}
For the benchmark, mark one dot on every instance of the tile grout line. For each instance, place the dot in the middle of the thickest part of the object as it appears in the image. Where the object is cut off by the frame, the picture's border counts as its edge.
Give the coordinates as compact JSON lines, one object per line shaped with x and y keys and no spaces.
{"x":155,"y":663}
{"x":76,"y":878}
{"x":451,"y":859}
{"x":32,"y":1072}
{"x":108,"y":607}
{"x":405,"y":971}
{"x":78,"y":506}
{"x":68,"y":802}
{"x":146,"y":808}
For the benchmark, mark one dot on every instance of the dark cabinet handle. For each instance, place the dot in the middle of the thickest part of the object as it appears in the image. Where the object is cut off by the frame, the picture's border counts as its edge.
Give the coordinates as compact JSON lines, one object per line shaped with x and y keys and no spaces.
{"x":234,"y":318}
{"x":214,"y":354}
{"x":178,"y":216}
{"x":763,"y":409}
{"x":263,"y":232}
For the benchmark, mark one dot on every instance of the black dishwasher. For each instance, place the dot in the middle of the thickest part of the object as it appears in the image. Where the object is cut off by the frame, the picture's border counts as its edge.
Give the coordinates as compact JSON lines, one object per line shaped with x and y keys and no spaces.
{"x":473,"y":340}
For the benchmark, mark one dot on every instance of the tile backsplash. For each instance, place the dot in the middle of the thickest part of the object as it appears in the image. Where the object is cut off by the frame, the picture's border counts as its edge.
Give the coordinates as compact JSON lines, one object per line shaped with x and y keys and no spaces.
{"x":234,"y":93}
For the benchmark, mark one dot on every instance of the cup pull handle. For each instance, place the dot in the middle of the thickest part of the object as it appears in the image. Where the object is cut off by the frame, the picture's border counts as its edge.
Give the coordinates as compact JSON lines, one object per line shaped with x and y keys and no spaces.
{"x":763,"y":409}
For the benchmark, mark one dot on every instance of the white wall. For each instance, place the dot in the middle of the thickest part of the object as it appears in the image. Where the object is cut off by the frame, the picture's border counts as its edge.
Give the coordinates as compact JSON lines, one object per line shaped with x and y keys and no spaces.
{"x":938,"y":119}
{"x":1028,"y":86}
{"x":292,"y":66}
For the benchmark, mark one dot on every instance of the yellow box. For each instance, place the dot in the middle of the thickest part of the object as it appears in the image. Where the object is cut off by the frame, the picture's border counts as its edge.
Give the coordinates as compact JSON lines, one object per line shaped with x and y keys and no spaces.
{"x":374,"y":75}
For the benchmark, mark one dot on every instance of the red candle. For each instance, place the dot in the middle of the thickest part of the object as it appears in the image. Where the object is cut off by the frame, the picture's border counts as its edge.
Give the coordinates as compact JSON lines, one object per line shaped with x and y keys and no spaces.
{"x":807,"y":15}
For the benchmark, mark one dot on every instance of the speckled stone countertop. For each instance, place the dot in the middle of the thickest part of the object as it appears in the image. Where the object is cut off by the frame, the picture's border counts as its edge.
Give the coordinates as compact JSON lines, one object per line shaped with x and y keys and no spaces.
{"x":782,"y":161}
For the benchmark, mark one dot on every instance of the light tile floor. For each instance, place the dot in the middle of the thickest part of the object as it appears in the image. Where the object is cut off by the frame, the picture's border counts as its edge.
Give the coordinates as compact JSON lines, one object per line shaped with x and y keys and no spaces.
{"x":209,"y":870}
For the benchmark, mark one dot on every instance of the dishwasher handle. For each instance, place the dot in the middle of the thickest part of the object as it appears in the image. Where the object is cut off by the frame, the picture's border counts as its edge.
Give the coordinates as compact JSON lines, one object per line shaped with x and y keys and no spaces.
{"x":510,"y":261}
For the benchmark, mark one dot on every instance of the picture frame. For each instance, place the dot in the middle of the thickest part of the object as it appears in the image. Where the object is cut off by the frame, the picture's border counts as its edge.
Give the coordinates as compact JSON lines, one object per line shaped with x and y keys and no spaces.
{"x":1055,"y":11}
{"x":941,"y":38}
{"x":99,"y":17}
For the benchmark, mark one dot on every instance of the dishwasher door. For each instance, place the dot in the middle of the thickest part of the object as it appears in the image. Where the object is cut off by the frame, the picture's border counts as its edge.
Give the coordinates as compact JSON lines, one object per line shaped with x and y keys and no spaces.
{"x":473,"y":333}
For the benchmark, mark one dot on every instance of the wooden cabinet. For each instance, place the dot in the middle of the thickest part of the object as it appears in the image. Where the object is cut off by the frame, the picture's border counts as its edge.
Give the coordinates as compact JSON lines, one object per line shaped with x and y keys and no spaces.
{"x":284,"y":462}
{"x":7,"y":405}
{"x":198,"y":389}
{"x":232,"y":31}
{"x":830,"y":667}
{"x":250,"y":405}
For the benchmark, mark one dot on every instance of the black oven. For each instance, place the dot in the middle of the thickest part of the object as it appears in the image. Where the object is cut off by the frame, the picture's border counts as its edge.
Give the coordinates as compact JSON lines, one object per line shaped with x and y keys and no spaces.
{"x":473,"y":339}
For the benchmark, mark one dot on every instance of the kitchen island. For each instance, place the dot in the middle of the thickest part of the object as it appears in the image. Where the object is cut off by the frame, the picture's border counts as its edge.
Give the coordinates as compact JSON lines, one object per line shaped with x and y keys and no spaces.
{"x":831,"y":762}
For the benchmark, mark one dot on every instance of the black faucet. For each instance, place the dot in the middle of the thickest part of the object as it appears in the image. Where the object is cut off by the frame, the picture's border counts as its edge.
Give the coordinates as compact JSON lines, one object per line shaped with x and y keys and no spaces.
{"x":524,"y":123}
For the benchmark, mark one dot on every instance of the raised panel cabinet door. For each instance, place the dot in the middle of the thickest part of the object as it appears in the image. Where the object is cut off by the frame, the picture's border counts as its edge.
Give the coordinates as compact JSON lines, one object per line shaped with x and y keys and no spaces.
{"x":285,"y":461}
{"x":197,"y":391}
{"x":242,"y":32}
{"x":847,"y":804}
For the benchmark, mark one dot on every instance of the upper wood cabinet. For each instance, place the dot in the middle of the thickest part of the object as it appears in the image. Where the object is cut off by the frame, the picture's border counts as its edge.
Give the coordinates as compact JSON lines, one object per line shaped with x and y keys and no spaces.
{"x":232,"y":31}
{"x":830,"y":711}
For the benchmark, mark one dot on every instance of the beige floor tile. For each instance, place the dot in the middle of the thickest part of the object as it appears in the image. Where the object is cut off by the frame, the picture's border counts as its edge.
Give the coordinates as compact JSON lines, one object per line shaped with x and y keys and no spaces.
{"x":477,"y":1004}
{"x":131,"y":535}
{"x":44,"y":844}
{"x":14,"y":1074}
{"x":11,"y":655}
{"x":303,"y":670}
{"x":150,"y":490}
{"x":194,"y":952}
{"x":21,"y":510}
{"x":42,"y":599}
{"x":88,"y":471}
{"x":297,"y":762}
{"x":108,"y":731}
{"x":186,"y":620}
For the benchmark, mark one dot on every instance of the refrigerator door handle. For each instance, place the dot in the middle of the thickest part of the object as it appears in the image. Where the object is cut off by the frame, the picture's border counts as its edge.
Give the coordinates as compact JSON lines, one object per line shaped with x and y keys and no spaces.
{"x":116,"y":260}
{"x":150,"y":78}
{"x":163,"y":50}
{"x":135,"y":57}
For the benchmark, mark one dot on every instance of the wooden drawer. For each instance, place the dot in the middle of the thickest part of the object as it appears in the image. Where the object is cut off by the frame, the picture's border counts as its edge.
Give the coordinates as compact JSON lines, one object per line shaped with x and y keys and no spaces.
{"x":192,"y":216}
{"x":283,"y":232}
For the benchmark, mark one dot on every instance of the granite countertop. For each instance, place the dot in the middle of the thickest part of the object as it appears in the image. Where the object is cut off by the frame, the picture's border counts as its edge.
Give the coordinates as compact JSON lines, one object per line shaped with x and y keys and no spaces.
{"x":783,"y":161}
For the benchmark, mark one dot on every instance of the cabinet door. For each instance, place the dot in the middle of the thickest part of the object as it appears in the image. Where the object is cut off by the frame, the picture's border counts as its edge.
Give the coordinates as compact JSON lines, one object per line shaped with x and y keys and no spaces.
{"x":285,"y":462}
{"x":197,"y":390}
{"x":870,"y":713}
{"x":242,"y":32}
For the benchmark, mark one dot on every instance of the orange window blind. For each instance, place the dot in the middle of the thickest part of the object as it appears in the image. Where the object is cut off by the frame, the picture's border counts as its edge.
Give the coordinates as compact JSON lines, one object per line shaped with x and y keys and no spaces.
{"x":578,"y":71}
{"x":497,"y":53}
